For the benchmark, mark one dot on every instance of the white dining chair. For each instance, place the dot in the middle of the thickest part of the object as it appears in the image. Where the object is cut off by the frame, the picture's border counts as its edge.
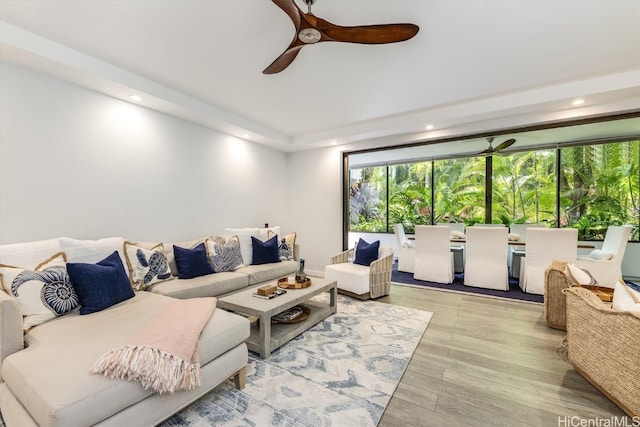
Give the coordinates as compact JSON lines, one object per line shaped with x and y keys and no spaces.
{"x":434,"y":259}
{"x":406,"y":249}
{"x":486,"y":264}
{"x":517,"y":252}
{"x":456,"y":232}
{"x":605,"y":264}
{"x":543,"y":246}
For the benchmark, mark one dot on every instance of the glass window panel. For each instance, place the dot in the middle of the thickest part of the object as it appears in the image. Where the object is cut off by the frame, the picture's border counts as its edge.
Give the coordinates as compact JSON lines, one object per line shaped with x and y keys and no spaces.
{"x":599,"y":187}
{"x":459,"y":190}
{"x":410,"y":195}
{"x":524,"y":188}
{"x":368,"y":199}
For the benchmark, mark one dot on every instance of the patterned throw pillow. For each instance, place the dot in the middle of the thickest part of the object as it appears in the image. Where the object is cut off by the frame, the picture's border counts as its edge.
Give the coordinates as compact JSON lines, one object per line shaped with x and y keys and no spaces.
{"x":225,"y":255}
{"x":43,"y":293}
{"x":286,"y":245}
{"x":146,"y":266}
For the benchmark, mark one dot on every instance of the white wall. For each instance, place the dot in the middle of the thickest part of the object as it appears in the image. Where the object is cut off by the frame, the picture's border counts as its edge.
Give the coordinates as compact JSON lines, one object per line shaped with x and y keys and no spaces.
{"x":315,"y":196}
{"x":77,"y":163}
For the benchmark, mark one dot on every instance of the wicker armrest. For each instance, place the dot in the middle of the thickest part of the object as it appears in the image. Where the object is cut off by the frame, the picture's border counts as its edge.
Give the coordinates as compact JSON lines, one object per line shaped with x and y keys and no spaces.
{"x":342,"y":257}
{"x":382,"y":264}
{"x":555,"y":307}
{"x":603,"y":347}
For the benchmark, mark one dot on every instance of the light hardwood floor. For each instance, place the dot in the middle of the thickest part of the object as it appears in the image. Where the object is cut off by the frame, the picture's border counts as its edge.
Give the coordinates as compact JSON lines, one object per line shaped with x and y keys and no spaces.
{"x":489,"y":362}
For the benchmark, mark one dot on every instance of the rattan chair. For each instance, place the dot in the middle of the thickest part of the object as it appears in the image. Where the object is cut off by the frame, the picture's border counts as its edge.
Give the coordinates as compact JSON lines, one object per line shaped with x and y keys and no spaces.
{"x":603,"y":347}
{"x":359,"y":281}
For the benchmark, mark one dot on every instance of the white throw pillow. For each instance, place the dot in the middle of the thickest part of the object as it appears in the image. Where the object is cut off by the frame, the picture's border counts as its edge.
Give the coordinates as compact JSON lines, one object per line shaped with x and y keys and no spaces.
{"x":599,"y":254}
{"x":92,"y":251}
{"x":408,"y":244}
{"x":42,"y":293}
{"x":579,"y":275}
{"x":625,"y":298}
{"x":266,"y":233}
{"x":514,"y":237}
{"x":246,"y":245}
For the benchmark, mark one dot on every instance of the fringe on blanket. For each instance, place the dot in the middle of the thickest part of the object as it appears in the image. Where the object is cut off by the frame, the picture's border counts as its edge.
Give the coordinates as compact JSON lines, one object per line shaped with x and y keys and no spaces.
{"x":151,"y":367}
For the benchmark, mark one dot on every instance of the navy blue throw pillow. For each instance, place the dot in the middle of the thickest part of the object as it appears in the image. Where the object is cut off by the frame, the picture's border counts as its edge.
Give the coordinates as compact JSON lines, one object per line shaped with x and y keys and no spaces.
{"x":265,"y":252}
{"x":366,"y":253}
{"x":100,"y":285}
{"x":192,"y":262}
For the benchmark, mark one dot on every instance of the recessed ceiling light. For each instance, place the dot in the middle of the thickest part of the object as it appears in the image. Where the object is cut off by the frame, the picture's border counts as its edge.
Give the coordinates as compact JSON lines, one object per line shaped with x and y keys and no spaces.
{"x":334,"y":142}
{"x":578,"y":101}
{"x":429,"y":127}
{"x":135,"y":98}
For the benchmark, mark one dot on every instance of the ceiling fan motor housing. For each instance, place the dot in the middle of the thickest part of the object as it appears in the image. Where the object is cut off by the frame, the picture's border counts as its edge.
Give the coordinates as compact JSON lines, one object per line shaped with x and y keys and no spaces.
{"x":309,"y":35}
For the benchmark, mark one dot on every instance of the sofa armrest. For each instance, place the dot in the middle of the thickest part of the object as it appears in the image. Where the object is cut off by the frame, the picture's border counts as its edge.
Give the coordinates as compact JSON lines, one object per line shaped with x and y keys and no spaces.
{"x":12,"y":338}
{"x":603,"y":347}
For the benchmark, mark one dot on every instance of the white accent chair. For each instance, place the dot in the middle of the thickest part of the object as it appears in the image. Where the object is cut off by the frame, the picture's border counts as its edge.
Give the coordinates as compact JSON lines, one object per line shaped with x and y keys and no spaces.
{"x":486,"y":265}
{"x":406,"y":250}
{"x":434,"y":259}
{"x":517,"y":252}
{"x":608,"y":271}
{"x":543,"y":246}
{"x":361,"y":281}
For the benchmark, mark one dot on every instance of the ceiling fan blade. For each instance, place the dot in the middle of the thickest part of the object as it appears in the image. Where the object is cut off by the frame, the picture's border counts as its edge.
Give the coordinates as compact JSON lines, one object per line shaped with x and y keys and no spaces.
{"x":285,"y":59}
{"x":508,"y":143}
{"x":368,"y":34}
{"x":290,"y":8}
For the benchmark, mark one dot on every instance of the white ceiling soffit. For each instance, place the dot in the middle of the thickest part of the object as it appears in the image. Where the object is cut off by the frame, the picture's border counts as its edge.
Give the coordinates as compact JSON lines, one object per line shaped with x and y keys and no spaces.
{"x":475,"y":66}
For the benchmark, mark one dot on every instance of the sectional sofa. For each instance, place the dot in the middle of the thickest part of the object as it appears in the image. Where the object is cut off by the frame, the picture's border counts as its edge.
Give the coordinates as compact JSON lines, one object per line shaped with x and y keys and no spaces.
{"x":45,"y":377}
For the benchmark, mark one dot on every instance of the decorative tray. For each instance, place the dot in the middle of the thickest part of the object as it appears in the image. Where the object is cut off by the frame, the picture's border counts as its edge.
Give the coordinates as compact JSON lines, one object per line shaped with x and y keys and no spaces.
{"x":299,"y":318}
{"x":285,"y":284}
{"x":605,"y":294}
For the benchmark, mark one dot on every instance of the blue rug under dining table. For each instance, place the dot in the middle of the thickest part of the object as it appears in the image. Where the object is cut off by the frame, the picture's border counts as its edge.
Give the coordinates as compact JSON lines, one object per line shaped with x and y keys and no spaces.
{"x":514,"y":291}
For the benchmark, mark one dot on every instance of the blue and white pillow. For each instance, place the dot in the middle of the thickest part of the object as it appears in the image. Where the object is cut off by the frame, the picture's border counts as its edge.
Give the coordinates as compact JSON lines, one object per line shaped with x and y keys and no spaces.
{"x":42,"y":293}
{"x":146,"y":266}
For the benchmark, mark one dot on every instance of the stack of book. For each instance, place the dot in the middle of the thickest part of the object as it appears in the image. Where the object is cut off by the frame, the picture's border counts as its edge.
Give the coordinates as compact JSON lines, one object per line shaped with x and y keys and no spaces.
{"x":288,"y":315}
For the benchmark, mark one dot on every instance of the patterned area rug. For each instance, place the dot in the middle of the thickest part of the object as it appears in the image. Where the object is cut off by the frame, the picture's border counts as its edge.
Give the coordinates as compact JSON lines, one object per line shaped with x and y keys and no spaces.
{"x":341,"y":372}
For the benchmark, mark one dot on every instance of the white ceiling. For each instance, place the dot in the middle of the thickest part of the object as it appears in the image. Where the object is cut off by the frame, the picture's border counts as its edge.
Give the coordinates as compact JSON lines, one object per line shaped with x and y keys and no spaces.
{"x":475,"y":66}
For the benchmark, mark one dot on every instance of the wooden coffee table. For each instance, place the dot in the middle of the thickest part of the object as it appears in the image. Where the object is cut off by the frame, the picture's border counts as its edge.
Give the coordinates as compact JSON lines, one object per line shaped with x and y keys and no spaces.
{"x":266,"y":337}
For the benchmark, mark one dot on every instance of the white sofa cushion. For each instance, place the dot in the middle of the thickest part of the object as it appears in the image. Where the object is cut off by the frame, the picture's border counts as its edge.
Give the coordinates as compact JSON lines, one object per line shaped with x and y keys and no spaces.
{"x":271,"y":271}
{"x":209,"y":285}
{"x":29,"y":254}
{"x":349,"y":276}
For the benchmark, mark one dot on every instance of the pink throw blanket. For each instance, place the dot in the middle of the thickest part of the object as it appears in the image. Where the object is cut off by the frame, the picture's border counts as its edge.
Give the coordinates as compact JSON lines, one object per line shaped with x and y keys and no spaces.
{"x":163,"y":355}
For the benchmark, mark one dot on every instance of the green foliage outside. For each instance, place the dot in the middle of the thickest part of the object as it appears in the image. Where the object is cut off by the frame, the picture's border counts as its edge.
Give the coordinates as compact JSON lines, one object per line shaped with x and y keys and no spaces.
{"x":599,"y":186}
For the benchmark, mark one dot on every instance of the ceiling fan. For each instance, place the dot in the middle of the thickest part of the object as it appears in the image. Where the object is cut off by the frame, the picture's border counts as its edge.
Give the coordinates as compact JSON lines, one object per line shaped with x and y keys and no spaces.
{"x":491,"y":150}
{"x":311,"y":29}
